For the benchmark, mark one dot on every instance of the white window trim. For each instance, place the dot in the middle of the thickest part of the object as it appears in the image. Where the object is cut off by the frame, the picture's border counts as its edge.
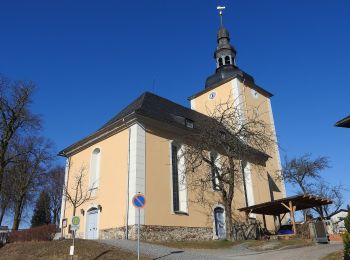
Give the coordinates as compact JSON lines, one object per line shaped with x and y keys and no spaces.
{"x":92,"y":205}
{"x":183,"y":191}
{"x":249,"y":186}
{"x":217,"y":164}
{"x":94,"y":184}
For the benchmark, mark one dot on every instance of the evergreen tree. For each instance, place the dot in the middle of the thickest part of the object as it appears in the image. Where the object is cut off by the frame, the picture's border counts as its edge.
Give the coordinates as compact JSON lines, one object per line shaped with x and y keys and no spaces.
{"x":346,"y":236}
{"x":42,"y":212}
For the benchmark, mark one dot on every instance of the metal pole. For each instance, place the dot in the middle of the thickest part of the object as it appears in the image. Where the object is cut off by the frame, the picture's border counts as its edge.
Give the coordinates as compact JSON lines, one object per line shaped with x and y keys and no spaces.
{"x":138,"y":237}
{"x":73,"y":233}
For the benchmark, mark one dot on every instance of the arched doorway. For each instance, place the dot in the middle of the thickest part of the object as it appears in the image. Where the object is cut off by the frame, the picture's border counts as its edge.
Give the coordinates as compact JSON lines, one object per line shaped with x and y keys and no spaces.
{"x":91,"y":223}
{"x":219,"y":219}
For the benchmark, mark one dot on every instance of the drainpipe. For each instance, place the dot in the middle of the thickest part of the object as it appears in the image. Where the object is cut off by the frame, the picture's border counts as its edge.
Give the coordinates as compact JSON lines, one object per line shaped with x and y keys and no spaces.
{"x":64,"y":200}
{"x":127,"y":191}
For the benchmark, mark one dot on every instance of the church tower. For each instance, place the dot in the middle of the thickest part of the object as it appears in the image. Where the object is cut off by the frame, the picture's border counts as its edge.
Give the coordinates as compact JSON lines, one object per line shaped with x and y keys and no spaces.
{"x":228,"y":79}
{"x":229,"y":83}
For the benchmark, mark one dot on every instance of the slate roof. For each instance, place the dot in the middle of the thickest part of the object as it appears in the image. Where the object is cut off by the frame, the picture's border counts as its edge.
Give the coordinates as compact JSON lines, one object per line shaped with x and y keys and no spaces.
{"x":225,"y":74}
{"x":154,"y":107}
{"x":151,"y":106}
{"x":161,"y":109}
{"x":345,"y":122}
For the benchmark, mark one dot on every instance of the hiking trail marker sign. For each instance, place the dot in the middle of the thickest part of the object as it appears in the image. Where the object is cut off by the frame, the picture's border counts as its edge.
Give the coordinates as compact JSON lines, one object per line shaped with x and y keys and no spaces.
{"x":75,"y":223}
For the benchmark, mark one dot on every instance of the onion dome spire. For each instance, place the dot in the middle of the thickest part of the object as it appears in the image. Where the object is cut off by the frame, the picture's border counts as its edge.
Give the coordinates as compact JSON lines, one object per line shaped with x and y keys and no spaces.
{"x":225,"y":54}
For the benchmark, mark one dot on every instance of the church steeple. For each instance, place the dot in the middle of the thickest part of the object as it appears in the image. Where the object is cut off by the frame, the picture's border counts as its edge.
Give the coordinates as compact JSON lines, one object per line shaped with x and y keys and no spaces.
{"x":225,"y":54}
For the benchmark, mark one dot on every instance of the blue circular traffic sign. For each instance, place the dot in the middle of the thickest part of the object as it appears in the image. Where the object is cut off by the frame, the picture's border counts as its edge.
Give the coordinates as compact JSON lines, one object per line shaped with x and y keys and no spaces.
{"x":139,"y":200}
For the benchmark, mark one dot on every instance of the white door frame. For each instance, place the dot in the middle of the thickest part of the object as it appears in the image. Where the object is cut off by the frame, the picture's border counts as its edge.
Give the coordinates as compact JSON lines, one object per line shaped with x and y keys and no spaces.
{"x":86,"y":218}
{"x":214,"y":224}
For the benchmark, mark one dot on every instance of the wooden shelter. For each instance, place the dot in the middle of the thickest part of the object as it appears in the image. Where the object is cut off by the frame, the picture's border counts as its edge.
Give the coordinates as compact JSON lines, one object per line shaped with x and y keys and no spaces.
{"x":286,"y":205}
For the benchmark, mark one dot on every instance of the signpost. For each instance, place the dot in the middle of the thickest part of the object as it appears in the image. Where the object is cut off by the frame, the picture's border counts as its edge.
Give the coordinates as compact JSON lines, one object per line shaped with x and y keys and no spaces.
{"x":74,"y":227}
{"x":139,"y":202}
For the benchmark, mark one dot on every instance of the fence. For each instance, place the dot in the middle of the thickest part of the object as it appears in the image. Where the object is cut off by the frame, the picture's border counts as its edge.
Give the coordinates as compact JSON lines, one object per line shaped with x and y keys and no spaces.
{"x":42,"y":233}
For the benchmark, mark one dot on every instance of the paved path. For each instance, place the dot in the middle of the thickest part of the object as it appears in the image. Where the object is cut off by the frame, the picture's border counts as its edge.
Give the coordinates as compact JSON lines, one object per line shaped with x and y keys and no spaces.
{"x":236,"y":252}
{"x":157,"y":251}
{"x":309,"y":252}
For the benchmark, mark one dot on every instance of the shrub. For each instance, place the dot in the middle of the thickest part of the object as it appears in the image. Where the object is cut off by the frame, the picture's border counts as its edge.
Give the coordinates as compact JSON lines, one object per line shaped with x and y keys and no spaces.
{"x":346,"y":240}
{"x":42,"y":233}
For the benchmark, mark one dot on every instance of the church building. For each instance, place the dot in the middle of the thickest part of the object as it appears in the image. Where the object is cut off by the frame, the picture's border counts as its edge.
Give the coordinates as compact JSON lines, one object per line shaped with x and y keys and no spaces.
{"x":136,"y":152}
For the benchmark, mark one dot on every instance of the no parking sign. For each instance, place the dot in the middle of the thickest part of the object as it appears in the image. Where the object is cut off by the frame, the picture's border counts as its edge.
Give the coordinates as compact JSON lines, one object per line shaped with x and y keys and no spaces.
{"x":139,"y":202}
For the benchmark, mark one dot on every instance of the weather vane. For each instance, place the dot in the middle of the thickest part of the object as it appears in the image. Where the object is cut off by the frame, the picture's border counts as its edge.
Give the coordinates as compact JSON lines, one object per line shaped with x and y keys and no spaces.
{"x":220,"y":8}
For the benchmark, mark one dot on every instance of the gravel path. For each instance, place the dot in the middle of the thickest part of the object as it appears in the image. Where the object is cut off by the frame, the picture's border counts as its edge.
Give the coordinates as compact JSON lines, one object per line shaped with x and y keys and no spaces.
{"x":236,"y":252}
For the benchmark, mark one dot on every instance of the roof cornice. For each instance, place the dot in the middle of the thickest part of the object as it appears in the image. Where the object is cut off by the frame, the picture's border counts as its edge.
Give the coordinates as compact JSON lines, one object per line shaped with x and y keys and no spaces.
{"x":100,"y":135}
{"x":241,"y":79}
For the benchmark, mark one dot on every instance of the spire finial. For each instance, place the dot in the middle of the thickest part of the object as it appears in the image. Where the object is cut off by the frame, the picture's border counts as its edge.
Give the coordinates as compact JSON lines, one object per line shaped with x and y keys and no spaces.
{"x":220,"y":8}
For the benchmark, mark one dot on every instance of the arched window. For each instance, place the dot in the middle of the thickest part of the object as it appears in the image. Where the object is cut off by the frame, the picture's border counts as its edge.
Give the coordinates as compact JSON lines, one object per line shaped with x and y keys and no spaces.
{"x":220,"y":62}
{"x":95,"y":168}
{"x":179,"y":187}
{"x":215,"y":170}
{"x":227,"y":60}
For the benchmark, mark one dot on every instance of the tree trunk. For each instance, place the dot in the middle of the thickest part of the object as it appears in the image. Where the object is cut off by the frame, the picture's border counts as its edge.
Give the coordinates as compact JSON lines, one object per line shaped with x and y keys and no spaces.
{"x":54,"y":213}
{"x":228,"y":220}
{"x":2,"y":170}
{"x":17,"y":215}
{"x":2,"y":214}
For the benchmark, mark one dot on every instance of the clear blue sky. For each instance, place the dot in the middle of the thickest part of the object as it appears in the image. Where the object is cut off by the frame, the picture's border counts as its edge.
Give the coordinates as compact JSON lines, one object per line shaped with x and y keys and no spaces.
{"x":91,"y":58}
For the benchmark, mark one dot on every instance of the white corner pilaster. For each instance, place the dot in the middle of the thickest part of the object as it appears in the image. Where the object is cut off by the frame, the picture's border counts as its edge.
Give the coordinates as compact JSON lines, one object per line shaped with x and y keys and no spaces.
{"x":277,"y":152}
{"x":65,"y":184}
{"x":193,"y":104}
{"x":137,"y":162}
{"x":238,"y":101}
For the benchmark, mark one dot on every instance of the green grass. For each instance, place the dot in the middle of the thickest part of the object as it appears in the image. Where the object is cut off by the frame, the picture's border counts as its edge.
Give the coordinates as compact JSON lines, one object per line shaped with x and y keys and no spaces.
{"x":339,"y":255}
{"x":261,"y":245}
{"x":55,"y":250}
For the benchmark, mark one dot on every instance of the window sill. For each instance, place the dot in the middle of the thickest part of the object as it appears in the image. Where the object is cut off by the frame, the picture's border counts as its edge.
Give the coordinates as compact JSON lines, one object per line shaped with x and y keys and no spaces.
{"x":181,"y":213}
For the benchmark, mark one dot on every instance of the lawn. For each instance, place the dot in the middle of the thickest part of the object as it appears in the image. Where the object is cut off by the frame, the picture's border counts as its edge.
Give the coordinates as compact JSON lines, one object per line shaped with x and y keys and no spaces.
{"x":53,"y":250}
{"x":204,"y":244}
{"x":261,"y":245}
{"x":257,"y":245}
{"x":339,"y":255}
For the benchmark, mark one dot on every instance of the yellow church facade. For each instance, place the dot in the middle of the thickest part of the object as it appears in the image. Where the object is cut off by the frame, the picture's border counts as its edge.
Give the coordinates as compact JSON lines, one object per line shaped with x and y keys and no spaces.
{"x":134,"y":153}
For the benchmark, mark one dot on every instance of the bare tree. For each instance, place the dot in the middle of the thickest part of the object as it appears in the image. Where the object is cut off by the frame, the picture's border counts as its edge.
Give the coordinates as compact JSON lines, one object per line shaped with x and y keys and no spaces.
{"x":5,"y":196}
{"x":16,"y":117}
{"x":55,"y":184}
{"x":27,"y":173}
{"x":214,"y":155}
{"x":331,"y":192}
{"x":302,"y":172}
{"x":78,"y":192}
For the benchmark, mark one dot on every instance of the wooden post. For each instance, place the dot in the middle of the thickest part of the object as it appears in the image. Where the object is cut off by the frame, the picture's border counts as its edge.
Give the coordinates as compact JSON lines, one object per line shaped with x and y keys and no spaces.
{"x":292,"y":211}
{"x":264,"y":219}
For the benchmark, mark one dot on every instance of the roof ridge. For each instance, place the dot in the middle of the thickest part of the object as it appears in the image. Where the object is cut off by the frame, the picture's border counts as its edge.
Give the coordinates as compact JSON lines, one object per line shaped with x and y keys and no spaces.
{"x":168,"y":100}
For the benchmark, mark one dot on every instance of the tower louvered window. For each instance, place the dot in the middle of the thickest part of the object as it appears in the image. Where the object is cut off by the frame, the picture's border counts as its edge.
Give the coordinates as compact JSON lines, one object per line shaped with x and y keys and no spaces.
{"x":227,"y":60}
